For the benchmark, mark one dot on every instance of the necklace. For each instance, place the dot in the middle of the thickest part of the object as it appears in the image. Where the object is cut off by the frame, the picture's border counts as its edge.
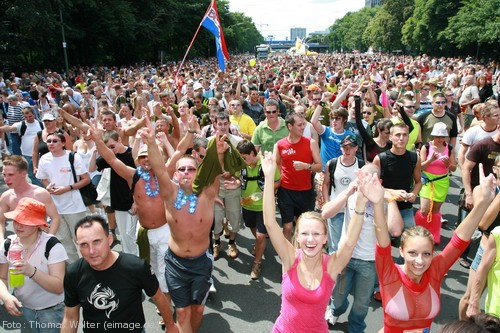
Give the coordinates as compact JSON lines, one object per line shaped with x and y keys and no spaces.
{"x":147,"y":178}
{"x":183,"y":198}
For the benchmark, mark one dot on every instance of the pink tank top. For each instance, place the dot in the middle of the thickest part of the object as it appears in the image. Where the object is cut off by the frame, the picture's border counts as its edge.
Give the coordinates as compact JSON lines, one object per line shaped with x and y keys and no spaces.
{"x":437,"y":167}
{"x":303,"y":310}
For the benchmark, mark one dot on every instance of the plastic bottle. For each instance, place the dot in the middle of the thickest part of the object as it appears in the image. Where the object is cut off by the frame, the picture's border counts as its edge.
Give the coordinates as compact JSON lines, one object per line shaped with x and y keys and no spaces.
{"x":15,"y":254}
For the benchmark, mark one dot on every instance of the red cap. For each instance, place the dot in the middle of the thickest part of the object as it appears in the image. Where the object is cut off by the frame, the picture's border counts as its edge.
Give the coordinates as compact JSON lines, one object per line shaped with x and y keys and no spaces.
{"x":28,"y":212}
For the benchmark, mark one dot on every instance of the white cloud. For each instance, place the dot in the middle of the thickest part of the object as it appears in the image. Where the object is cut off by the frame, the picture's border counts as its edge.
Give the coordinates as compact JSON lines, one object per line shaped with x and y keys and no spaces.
{"x":275,"y":18}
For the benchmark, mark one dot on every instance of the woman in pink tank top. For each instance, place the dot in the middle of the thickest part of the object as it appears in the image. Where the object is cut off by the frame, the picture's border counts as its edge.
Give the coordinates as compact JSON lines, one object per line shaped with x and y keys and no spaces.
{"x":308,"y":272}
{"x":437,"y":159}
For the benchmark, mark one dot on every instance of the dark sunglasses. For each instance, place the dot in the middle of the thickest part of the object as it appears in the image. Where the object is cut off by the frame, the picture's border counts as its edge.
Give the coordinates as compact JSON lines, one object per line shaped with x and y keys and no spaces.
{"x":271,"y":112}
{"x":53,"y":141}
{"x":367,"y":112}
{"x":188,"y":169}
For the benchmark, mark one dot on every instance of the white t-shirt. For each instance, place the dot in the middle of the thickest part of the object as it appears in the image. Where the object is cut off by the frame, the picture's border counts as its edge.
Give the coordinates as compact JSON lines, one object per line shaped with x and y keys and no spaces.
{"x":28,"y":139}
{"x":31,"y":294}
{"x":365,"y":247}
{"x":475,"y":134}
{"x":342,"y":177}
{"x":58,"y":171}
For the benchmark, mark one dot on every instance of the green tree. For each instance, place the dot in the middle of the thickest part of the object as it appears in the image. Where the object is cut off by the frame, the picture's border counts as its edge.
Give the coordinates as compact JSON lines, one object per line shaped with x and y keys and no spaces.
{"x":345,"y":33}
{"x":477,"y":22}
{"x":422,"y":30}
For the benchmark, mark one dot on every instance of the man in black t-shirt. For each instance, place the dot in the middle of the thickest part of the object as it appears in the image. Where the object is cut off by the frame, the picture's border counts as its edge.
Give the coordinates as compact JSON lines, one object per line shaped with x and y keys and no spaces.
{"x":108,"y":285}
{"x":120,"y":192}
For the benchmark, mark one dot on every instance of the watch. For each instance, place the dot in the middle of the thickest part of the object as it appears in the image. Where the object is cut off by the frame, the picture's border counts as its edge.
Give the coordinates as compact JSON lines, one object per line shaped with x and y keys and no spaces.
{"x":322,"y":104}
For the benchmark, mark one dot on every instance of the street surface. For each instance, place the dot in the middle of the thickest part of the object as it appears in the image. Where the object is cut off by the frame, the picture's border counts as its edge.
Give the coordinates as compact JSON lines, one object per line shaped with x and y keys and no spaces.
{"x":245,"y":306}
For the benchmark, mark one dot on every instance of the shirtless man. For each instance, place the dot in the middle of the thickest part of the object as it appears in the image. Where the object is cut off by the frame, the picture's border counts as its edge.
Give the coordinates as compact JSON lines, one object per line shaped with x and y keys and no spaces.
{"x":14,"y":173}
{"x":190,"y":218}
{"x":67,"y":106}
{"x":148,"y":203}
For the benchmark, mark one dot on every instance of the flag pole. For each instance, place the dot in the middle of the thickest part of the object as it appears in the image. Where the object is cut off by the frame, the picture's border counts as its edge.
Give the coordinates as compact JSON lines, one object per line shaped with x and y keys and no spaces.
{"x":192,"y":41}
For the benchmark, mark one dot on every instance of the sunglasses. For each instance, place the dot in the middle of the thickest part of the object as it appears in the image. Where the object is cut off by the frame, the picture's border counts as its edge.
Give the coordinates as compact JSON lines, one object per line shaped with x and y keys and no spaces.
{"x":335,"y":118}
{"x":316,"y":99}
{"x":367,"y":112}
{"x":186,"y":169}
{"x":440,"y":102}
{"x":271,"y":112}
{"x":409,"y":106}
{"x":53,"y":141}
{"x":112,"y":147}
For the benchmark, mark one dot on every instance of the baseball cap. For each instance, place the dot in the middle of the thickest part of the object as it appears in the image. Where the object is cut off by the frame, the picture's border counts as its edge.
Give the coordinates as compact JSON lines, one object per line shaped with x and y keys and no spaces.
{"x":28,"y":212}
{"x":197,"y":86}
{"x":48,"y":116}
{"x":349,"y":140}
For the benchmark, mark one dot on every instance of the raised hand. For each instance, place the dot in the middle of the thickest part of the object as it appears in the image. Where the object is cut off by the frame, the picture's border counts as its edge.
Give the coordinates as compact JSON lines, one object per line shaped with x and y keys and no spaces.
{"x":268,"y":164}
{"x":487,"y":185}
{"x":222,"y":145}
{"x":370,"y":186}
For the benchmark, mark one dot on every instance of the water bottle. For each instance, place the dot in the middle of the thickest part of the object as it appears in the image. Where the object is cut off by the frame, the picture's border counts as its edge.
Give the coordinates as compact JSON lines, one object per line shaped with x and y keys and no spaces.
{"x":15,"y":255}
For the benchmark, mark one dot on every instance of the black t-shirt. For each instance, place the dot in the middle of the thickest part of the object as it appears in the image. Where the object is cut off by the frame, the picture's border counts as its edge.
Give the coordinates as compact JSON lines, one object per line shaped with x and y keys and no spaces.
{"x":111,"y":299}
{"x":398,"y":173}
{"x":121,"y":196}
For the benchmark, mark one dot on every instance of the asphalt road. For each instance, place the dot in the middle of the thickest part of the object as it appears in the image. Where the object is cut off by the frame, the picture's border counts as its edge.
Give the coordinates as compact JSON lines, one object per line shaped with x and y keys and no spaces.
{"x":245,"y":306}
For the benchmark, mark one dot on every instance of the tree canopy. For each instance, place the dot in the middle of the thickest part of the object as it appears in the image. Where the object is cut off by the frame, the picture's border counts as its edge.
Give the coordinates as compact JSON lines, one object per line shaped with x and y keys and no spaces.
{"x":114,"y":31}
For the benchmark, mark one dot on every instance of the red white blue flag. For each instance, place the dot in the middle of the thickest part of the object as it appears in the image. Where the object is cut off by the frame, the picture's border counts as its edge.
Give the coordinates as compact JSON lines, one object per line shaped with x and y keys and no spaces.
{"x":211,"y":21}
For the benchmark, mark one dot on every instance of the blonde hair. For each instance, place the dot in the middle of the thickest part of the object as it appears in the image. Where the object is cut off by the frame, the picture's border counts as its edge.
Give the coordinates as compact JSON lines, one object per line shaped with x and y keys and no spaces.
{"x":416,"y":231}
{"x":309,"y":216}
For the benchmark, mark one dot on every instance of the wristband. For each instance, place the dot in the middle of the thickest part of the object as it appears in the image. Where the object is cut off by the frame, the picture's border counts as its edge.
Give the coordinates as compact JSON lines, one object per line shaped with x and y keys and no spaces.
{"x":322,"y":104}
{"x":402,"y":90}
{"x":71,"y":187}
{"x":359,"y":213}
{"x":309,"y":167}
{"x":34,"y":272}
{"x":191,"y":131}
{"x":417,"y":91}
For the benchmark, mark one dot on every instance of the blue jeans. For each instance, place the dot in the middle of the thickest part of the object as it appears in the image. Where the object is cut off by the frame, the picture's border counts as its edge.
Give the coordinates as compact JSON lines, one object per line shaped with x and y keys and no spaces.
{"x":46,"y":320}
{"x":358,"y":278}
{"x":408,"y":218}
{"x":335,"y":231}
{"x":15,"y":144}
{"x":31,"y":175}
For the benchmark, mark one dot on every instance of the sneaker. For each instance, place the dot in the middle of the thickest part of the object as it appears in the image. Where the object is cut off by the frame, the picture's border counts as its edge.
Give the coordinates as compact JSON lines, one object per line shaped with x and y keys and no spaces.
{"x":330,"y":318}
{"x":216,"y":251}
{"x":464,"y":262}
{"x":232,"y":251}
{"x":377,"y":296}
{"x":256,"y":270}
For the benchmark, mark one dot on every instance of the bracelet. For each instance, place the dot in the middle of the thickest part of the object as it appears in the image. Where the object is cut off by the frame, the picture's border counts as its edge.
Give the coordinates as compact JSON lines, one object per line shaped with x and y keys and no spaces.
{"x":417,"y":91}
{"x":34,"y":272}
{"x":322,"y":104}
{"x":71,"y":187}
{"x":402,"y":90}
{"x":191,"y":131}
{"x":309,"y":167}
{"x":359,"y":213}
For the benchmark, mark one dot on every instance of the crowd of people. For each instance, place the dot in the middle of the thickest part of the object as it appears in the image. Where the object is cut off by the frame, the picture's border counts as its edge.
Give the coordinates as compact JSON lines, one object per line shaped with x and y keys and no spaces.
{"x":355,"y":150}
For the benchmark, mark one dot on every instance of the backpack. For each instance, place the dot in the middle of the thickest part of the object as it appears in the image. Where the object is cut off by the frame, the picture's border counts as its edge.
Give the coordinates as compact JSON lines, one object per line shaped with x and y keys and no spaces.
{"x":24,"y":127}
{"x":48,"y":246}
{"x":259,"y":178}
{"x":332,"y":166}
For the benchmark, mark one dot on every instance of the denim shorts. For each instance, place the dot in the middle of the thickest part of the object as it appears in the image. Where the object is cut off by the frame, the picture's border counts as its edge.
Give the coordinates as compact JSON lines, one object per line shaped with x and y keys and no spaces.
{"x":47,"y":320}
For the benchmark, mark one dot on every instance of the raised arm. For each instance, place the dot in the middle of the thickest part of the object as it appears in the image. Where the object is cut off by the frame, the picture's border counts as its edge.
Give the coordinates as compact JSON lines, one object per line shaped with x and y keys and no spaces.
{"x":168,"y":189}
{"x":481,"y":276}
{"x":282,"y":246}
{"x":72,"y":120}
{"x":368,"y":189}
{"x":107,"y":154}
{"x":483,"y":195}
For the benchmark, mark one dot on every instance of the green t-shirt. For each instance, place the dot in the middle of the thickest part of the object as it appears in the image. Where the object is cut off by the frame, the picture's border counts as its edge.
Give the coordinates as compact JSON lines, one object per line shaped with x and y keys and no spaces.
{"x":265,"y":137}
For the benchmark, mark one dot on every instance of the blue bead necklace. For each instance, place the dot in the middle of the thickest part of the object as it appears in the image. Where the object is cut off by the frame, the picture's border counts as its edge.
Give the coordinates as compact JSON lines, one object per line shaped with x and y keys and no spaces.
{"x":182,"y":199}
{"x":147,"y":178}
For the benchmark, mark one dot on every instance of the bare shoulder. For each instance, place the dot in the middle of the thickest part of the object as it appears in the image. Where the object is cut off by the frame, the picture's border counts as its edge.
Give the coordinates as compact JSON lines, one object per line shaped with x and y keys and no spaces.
{"x":41,"y":194}
{"x":5,"y":197}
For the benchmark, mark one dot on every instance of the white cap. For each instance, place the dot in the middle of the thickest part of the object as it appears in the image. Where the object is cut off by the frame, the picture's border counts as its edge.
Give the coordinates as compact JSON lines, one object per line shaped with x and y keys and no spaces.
{"x":439,"y":129}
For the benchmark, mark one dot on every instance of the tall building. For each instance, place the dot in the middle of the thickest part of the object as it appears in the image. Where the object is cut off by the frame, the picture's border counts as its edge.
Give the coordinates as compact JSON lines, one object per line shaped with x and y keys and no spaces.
{"x":373,"y":3}
{"x":297,"y":32}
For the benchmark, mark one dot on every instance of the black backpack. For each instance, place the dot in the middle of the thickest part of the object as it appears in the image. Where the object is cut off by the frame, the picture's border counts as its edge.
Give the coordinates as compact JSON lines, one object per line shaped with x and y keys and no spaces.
{"x":48,"y":246}
{"x":24,"y":127}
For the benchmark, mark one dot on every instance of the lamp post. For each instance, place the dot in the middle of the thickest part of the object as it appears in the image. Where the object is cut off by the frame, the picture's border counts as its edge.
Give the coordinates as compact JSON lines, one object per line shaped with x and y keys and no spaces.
{"x":63,"y":41}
